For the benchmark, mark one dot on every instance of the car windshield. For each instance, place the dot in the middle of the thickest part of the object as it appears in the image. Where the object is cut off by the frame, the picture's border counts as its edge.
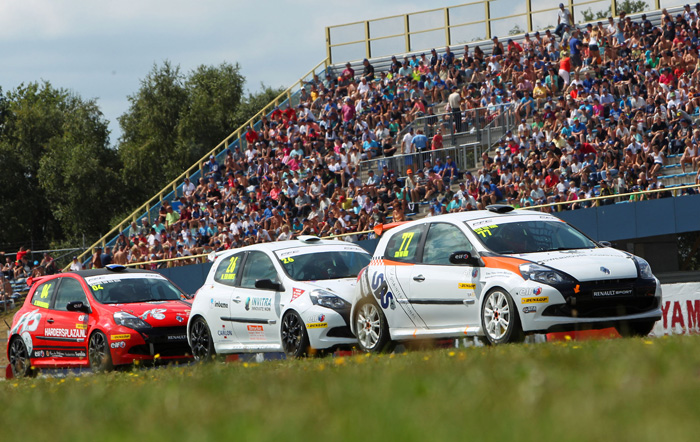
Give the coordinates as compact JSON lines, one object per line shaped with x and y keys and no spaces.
{"x":529,"y":236}
{"x":315,"y":265}
{"x":130,"y":288}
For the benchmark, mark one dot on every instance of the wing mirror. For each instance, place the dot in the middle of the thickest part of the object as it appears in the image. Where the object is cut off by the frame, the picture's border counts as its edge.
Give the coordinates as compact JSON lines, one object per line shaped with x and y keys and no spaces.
{"x":268,"y":284}
{"x":78,"y":306}
{"x":464,"y":258}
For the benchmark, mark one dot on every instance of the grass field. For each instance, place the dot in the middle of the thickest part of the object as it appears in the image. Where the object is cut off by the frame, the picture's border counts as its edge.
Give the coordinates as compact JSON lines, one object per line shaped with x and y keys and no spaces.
{"x":624,"y":389}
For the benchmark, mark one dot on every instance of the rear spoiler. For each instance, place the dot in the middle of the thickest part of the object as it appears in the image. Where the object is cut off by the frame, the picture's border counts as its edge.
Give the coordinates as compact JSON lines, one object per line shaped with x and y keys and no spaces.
{"x":381,"y":228}
{"x":35,"y":280}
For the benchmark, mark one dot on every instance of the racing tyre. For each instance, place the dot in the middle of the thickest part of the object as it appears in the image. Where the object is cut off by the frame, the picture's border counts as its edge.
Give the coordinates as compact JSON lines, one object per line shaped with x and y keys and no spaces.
{"x":201,"y":341}
{"x":19,"y":359}
{"x":98,"y":352}
{"x":295,"y":339}
{"x":499,"y":318}
{"x":636,"y":329}
{"x":372,"y":328}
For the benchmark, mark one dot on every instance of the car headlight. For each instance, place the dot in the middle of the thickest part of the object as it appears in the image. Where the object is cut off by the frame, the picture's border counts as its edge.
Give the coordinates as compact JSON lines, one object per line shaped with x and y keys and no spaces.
{"x":544,"y":275}
{"x":644,"y":268}
{"x":128,"y":320}
{"x":327,"y":299}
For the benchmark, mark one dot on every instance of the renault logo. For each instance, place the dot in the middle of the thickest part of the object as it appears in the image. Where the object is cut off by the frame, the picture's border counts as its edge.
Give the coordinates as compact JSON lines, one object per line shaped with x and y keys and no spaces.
{"x":604,"y":270}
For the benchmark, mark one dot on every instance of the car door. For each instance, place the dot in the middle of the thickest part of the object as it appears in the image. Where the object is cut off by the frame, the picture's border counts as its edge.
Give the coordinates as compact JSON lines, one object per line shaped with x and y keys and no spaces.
{"x":400,"y":256}
{"x":67,"y":331}
{"x":223,"y":289}
{"x":443,"y":294}
{"x":31,"y":324}
{"x":255,"y":312}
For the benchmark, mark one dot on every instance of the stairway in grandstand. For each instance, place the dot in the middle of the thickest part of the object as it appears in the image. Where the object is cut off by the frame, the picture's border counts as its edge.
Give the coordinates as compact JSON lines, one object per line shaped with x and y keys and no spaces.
{"x":478,"y":140}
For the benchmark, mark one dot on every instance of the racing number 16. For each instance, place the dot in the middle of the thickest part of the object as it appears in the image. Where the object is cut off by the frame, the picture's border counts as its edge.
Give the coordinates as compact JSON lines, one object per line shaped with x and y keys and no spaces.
{"x":403,"y":250}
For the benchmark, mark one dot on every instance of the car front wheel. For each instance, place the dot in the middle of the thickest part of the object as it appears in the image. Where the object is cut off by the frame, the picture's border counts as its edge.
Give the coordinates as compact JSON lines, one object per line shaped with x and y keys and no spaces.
{"x":98,"y":352}
{"x":499,"y":318}
{"x":201,"y":341}
{"x":295,"y":340}
{"x":372,"y":328}
{"x":19,"y":359}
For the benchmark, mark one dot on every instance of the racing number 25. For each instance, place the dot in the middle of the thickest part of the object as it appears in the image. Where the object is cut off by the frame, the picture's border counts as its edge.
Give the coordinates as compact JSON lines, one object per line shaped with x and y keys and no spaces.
{"x":403,"y":250}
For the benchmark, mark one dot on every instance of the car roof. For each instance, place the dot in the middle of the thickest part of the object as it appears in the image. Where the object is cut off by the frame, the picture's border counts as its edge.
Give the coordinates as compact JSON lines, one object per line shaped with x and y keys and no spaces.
{"x":304,"y":241}
{"x":105,"y":271}
{"x":473,"y":215}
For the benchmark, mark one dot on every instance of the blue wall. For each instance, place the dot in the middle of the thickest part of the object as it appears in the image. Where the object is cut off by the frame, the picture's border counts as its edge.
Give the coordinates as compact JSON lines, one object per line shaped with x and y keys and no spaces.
{"x":627,"y":221}
{"x":189,"y":278}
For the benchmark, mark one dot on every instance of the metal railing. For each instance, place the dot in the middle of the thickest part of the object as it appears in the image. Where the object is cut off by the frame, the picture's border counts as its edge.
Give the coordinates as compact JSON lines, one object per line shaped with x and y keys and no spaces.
{"x":170,"y":192}
{"x":463,"y":23}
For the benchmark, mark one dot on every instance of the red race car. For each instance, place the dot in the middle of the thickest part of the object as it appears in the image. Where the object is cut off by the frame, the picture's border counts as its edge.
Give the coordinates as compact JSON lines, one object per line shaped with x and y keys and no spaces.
{"x":98,"y":319}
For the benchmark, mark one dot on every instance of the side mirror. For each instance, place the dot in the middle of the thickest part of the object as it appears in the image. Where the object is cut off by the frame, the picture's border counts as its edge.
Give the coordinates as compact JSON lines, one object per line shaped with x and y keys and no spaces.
{"x":605,"y":243}
{"x":268,"y":284}
{"x":78,"y":306}
{"x":464,"y":258}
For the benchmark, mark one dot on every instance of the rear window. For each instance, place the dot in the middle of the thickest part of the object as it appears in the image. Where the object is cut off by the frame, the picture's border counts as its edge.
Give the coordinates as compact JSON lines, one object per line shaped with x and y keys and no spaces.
{"x":42,"y":295}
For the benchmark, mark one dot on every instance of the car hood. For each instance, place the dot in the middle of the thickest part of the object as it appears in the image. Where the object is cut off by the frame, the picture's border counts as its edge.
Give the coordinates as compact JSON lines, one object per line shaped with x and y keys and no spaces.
{"x":344,"y":288}
{"x":157,"y":314}
{"x":589,"y":264}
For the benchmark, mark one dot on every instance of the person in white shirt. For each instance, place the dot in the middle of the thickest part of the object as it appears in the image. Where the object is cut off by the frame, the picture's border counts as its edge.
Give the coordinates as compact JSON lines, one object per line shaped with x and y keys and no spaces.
{"x":76,"y":265}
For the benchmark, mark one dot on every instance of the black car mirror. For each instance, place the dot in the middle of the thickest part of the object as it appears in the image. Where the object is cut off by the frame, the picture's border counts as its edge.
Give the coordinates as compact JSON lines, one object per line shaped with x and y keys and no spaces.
{"x":268,"y":284}
{"x":464,"y":258}
{"x":78,"y":306}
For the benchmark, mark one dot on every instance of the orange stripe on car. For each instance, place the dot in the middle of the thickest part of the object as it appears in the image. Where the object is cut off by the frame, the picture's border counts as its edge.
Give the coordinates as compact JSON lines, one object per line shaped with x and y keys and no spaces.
{"x":505,"y":263}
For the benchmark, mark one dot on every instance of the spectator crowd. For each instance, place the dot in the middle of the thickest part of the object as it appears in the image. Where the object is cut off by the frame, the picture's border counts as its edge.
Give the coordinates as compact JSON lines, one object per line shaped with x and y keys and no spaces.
{"x":600,"y":108}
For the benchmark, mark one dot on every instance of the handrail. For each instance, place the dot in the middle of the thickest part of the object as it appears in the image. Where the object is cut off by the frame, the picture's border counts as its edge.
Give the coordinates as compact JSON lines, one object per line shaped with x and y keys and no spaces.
{"x":224,"y":143}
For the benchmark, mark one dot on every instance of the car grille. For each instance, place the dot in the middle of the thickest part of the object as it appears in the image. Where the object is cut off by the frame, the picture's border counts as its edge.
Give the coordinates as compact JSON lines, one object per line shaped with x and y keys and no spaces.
{"x":165,"y":341}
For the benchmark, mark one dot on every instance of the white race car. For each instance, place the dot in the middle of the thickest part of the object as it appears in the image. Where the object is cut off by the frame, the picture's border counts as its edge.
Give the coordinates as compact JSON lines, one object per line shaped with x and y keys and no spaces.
{"x":500,"y":274}
{"x":281,"y":296}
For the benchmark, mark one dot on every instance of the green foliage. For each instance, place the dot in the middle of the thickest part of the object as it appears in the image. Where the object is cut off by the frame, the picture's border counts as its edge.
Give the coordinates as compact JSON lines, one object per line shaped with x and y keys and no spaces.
{"x":623,"y":389}
{"x":628,"y":6}
{"x":55,"y":156}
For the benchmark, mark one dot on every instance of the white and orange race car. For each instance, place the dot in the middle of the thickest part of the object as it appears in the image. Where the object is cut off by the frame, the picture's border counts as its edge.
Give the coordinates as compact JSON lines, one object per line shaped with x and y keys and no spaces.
{"x":499,"y":274}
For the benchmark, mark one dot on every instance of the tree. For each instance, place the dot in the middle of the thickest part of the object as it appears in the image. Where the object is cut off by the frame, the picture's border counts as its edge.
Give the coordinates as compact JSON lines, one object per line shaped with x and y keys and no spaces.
{"x":628,"y":6}
{"x":49,"y":139}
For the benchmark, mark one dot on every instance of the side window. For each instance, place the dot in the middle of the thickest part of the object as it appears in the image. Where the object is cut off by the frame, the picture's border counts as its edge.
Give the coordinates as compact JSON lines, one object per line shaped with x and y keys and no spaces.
{"x":257,"y":266}
{"x":228,"y":268}
{"x":70,"y":290}
{"x":444,"y":239}
{"x":404,"y":245}
{"x":43,"y":294}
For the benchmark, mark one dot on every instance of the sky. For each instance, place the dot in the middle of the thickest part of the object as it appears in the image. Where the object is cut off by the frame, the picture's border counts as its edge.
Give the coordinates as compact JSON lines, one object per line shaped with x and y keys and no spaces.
{"x":103,"y":49}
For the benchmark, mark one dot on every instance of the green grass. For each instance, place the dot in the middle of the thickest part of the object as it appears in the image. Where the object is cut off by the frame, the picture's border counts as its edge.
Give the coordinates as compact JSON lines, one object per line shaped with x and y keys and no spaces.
{"x":625,"y":389}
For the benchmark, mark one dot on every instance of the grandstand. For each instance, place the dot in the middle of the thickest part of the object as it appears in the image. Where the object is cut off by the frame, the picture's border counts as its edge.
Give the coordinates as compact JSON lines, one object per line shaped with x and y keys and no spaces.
{"x":340,"y":130}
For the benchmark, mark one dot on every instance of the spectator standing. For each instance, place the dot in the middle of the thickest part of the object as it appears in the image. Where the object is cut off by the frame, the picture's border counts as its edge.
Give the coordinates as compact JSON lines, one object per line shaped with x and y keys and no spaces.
{"x":563,"y":20}
{"x":455,"y":102}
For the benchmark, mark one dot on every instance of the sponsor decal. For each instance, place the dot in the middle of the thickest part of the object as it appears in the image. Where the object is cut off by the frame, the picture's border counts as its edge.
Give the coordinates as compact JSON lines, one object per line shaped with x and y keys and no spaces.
{"x":466,"y":285}
{"x":38,"y":354}
{"x":256,"y":332}
{"x":296,"y":293}
{"x":28,"y":322}
{"x":527,"y":291}
{"x":64,"y":354}
{"x":81,"y":318}
{"x":538,"y":300}
{"x":156,"y":313}
{"x":530,"y":309}
{"x":64,"y":333}
{"x":381,"y":291}
{"x":537,"y":291}
{"x":605,"y":270}
{"x":218,"y":304}
{"x":179,"y":318}
{"x":603,"y":293}
{"x":223,"y":332}
{"x":317,"y":325}
{"x":258,"y":304}
{"x":475,"y":273}
{"x":120,"y":337}
{"x":81,"y":326}
{"x":177,"y":338}
{"x":119,"y":344}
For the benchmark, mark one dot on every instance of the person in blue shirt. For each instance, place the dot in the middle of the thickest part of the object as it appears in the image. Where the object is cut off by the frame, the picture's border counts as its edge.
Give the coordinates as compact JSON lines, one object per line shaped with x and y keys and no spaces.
{"x":420,"y":141}
{"x":579,"y":130}
{"x":566,"y":130}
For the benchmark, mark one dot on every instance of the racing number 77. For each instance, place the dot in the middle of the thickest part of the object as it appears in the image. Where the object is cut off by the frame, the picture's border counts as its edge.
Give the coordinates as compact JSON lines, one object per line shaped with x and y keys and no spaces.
{"x":403,"y":250}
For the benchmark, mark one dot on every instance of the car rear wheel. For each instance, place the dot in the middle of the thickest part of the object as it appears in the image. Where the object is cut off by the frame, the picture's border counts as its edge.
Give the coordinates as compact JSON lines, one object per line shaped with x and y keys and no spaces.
{"x":19,"y":359}
{"x":201,"y":341}
{"x":499,"y":318}
{"x":98,"y":352}
{"x":295,"y":339}
{"x":372,"y":328}
{"x":635,"y":329}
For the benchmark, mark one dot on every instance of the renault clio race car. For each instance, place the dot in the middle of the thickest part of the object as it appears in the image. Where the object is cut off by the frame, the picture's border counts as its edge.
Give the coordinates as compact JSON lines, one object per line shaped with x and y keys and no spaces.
{"x":292,"y":296}
{"x":100,"y":319}
{"x":499,"y":274}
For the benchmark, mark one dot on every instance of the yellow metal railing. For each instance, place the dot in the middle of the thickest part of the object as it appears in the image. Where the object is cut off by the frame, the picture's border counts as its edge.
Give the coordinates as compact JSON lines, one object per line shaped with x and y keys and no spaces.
{"x":491,"y":13}
{"x":236,"y":134}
